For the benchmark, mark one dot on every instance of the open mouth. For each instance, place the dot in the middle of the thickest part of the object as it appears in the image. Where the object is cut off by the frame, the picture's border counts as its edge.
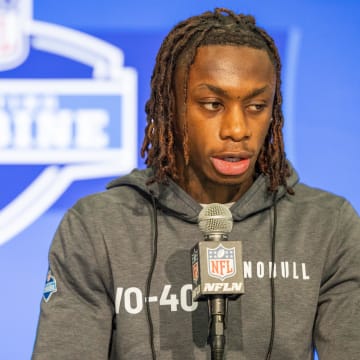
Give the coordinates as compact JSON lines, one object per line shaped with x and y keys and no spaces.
{"x":231,"y":159}
{"x":230,"y":165}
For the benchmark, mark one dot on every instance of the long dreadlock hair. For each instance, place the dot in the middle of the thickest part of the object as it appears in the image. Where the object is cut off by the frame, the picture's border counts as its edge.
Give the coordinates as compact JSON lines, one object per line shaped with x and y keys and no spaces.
{"x":220,"y":27}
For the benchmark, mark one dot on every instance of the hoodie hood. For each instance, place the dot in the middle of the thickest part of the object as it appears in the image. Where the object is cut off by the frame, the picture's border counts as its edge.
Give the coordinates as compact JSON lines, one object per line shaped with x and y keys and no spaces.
{"x":174,"y":200}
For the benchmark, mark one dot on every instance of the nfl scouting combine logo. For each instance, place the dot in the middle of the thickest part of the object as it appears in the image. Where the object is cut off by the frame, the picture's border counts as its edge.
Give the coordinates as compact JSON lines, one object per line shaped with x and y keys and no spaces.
{"x":72,"y":128}
{"x":221,"y":262}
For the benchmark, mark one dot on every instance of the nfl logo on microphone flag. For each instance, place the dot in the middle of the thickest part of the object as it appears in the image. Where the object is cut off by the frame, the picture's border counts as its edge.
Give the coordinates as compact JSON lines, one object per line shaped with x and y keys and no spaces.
{"x":216,"y":268}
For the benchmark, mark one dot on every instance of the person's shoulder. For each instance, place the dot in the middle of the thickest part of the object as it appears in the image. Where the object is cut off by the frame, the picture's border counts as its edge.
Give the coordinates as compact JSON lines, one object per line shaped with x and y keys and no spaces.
{"x":123,"y":192}
{"x":305,"y":194}
{"x":321,"y":205}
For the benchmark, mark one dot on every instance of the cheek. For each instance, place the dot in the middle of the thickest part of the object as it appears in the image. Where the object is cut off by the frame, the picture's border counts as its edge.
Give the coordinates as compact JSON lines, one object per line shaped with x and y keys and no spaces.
{"x":262,"y":134}
{"x":195,"y":137}
{"x":194,"y":127}
{"x":265,"y":129}
{"x":200,"y":138}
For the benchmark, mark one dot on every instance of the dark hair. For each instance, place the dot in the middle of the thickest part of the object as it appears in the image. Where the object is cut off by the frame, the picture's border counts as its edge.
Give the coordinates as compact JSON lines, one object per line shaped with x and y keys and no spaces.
{"x":220,"y":27}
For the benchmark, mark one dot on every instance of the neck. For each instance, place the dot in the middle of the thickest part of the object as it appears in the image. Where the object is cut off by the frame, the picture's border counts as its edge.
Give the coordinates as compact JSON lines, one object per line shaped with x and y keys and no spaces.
{"x":206,"y":191}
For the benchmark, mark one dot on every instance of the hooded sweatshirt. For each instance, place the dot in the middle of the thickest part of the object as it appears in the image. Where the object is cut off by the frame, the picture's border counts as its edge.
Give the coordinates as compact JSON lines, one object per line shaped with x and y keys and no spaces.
{"x":95,"y":300}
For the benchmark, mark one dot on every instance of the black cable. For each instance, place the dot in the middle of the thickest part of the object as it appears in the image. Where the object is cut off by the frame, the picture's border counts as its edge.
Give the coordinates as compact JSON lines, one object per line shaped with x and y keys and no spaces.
{"x":272,"y":282}
{"x":149,"y":278}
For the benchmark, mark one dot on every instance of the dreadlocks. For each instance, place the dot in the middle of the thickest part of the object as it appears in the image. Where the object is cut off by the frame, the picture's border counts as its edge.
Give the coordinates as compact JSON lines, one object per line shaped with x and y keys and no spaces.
{"x":221,"y":27}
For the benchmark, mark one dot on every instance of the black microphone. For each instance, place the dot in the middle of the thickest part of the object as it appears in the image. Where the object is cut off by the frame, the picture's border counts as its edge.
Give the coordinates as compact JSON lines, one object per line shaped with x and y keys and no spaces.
{"x":217,"y":273}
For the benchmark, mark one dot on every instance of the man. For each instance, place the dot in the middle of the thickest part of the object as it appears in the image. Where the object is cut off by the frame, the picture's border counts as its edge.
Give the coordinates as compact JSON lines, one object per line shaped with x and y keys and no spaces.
{"x":120,"y":259}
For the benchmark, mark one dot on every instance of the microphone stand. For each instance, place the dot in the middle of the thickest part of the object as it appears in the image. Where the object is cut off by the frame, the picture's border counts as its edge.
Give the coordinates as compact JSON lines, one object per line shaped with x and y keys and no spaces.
{"x":215,"y":222}
{"x":217,"y":311}
{"x":217,"y":325}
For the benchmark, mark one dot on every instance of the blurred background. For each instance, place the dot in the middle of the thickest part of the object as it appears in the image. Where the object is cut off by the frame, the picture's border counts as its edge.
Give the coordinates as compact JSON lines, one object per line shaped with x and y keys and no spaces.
{"x":74,"y":79}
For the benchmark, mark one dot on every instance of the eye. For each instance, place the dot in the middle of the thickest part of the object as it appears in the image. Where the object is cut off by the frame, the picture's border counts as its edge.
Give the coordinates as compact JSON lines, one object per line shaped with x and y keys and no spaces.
{"x":257,"y":108}
{"x":211,"y":105}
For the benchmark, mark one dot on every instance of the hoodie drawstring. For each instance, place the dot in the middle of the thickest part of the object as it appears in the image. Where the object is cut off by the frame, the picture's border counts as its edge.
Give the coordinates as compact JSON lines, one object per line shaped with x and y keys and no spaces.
{"x":150,"y":275}
{"x":272,"y":280}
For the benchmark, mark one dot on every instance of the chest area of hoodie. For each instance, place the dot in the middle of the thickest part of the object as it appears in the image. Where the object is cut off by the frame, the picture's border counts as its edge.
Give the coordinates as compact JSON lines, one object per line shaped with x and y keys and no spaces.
{"x":299,"y":255}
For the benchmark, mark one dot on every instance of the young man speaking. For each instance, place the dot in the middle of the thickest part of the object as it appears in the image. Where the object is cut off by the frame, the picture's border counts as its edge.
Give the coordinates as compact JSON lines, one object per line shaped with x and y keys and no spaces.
{"x":120,"y":259}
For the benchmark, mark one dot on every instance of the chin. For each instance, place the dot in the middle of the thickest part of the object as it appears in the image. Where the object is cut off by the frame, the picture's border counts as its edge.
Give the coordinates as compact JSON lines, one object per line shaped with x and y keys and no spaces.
{"x":236,"y":180}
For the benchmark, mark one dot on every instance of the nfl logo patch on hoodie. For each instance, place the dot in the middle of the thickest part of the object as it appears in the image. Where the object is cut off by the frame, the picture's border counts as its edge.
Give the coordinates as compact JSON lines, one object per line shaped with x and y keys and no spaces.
{"x":50,"y":286}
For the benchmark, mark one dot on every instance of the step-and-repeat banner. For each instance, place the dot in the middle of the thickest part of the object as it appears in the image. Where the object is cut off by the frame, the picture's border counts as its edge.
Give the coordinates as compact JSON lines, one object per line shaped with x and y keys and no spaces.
{"x":71,"y":119}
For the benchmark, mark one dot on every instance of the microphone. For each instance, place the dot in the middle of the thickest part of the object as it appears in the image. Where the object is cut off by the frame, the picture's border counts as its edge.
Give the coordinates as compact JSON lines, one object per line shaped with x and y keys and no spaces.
{"x":217,"y":273}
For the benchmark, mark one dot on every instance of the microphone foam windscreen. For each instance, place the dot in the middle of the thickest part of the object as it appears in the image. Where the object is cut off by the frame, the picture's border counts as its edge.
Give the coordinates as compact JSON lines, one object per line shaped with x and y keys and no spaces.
{"x":215,"y":219}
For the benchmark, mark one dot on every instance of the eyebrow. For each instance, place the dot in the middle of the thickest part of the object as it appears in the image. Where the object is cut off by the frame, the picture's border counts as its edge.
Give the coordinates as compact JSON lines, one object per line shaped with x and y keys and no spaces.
{"x":222,"y":92}
{"x":215,"y":89}
{"x":256,"y":92}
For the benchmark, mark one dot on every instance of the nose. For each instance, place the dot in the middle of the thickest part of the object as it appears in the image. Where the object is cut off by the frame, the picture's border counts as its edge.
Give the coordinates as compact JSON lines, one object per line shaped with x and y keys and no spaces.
{"x":234,"y":125}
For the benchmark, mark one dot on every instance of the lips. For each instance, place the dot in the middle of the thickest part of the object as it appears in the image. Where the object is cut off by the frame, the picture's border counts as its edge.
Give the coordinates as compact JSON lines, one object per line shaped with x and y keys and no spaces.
{"x":231,"y":164}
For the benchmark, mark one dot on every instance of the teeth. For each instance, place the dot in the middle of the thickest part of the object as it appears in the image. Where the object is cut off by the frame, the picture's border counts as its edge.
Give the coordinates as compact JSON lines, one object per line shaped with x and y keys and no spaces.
{"x":232,"y":159}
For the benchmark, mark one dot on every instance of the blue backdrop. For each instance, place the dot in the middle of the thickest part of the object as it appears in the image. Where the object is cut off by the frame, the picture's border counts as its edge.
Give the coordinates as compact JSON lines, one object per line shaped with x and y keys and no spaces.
{"x":67,"y":61}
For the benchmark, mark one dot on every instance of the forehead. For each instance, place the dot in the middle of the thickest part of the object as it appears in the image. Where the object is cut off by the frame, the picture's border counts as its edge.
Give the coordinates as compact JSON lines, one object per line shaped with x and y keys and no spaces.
{"x":219,"y":62}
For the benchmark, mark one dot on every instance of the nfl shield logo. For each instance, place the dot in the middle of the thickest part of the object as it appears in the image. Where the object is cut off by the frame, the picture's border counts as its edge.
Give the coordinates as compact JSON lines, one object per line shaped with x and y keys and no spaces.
{"x":221,"y":262}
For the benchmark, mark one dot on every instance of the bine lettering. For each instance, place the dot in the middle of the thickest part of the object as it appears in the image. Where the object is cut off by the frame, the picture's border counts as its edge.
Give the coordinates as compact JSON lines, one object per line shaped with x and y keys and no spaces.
{"x":26,"y":125}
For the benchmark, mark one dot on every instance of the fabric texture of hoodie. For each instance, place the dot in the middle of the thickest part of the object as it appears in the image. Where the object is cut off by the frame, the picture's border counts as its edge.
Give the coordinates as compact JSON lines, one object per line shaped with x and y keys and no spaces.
{"x":94,"y":304}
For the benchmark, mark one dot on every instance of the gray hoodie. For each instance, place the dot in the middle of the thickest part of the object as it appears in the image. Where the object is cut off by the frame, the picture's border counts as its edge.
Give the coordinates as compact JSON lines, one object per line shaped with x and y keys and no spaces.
{"x":94,"y":304}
